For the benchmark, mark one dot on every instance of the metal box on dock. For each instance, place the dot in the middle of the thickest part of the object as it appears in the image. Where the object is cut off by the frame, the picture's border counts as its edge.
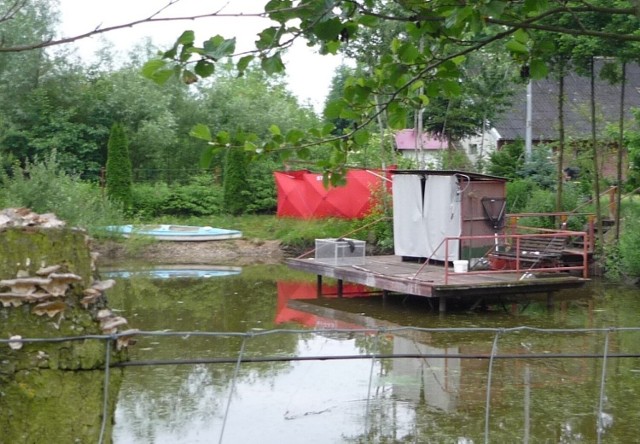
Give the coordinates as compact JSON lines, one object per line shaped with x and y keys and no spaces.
{"x":341,"y":251}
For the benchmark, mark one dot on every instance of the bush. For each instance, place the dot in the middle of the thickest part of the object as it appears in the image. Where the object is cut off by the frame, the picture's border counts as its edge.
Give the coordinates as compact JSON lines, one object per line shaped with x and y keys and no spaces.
{"x":518,"y":194}
{"x":201,"y":197}
{"x":148,"y":200}
{"x":378,"y":224}
{"x":629,"y":247}
{"x":43,"y":187}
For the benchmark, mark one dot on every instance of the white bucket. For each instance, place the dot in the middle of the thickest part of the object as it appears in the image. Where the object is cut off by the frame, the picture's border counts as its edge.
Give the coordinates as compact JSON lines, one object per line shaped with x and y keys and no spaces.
{"x":460,"y":266}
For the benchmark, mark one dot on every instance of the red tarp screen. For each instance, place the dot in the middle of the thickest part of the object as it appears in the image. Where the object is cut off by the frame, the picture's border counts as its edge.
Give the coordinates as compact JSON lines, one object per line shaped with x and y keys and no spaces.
{"x":301,"y":194}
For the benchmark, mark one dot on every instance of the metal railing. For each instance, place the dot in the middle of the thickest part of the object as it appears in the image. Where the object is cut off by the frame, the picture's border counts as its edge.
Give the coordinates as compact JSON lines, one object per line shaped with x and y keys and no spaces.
{"x":374,"y":354}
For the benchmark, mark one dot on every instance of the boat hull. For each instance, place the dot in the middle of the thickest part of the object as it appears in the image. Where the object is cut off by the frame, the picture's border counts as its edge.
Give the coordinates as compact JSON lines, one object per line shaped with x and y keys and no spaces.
{"x":176,"y":233}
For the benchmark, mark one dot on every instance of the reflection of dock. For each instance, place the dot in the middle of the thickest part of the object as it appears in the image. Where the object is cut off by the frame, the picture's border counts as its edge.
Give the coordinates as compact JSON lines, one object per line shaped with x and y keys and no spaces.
{"x":391,"y":274}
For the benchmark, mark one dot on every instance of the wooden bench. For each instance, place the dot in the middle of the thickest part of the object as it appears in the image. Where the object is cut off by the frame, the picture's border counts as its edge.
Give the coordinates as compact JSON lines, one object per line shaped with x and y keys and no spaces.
{"x":534,"y":251}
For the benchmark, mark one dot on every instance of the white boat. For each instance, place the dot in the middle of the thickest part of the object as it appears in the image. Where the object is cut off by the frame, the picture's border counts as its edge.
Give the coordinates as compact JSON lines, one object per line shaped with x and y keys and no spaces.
{"x":179,"y":233}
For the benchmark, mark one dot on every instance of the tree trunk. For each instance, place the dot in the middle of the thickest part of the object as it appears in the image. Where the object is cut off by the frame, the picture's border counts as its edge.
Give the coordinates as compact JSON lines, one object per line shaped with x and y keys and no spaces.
{"x":620,"y":152}
{"x":560,"y":138}
{"x":596,"y":171}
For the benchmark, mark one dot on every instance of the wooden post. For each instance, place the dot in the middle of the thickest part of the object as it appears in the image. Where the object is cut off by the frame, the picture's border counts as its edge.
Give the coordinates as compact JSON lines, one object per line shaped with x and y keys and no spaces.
{"x":550,"y":299}
{"x":442,"y":305}
{"x":319,"y":285}
{"x":339,"y":288}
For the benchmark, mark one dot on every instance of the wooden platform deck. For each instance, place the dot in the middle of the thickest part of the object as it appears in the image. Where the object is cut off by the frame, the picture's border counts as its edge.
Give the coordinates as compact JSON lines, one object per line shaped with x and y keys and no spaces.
{"x":392,"y":274}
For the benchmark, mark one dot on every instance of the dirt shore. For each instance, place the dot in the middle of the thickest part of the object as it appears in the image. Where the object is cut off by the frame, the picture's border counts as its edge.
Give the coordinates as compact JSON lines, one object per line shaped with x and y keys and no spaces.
{"x":226,"y":252}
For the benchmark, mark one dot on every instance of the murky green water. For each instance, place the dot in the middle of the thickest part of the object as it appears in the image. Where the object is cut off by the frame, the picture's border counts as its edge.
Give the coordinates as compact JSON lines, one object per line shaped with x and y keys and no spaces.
{"x":454,"y":395}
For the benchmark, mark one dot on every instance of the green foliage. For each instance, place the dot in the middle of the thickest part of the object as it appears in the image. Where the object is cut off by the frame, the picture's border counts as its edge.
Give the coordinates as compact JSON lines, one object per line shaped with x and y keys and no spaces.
{"x":629,"y":247}
{"x":148,"y":199}
{"x":541,"y":168}
{"x":377,"y":226}
{"x":200,"y":197}
{"x":260,"y":180}
{"x":508,"y":161}
{"x":193,"y":200}
{"x":119,"y":175}
{"x":543,"y":200}
{"x":632,"y":140}
{"x":236,"y":192}
{"x":45,"y":188}
{"x":518,"y":193}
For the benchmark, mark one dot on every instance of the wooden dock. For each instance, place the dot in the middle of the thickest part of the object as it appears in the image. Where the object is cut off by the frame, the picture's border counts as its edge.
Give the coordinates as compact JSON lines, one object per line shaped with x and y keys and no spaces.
{"x":392,"y":274}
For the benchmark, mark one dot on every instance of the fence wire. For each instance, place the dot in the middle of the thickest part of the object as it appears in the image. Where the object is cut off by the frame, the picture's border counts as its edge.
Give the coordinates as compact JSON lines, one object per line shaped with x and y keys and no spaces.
{"x":376,"y":355}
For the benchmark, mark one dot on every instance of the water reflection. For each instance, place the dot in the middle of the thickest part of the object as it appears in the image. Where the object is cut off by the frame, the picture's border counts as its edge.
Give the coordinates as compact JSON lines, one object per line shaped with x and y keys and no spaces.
{"x":439,"y":397}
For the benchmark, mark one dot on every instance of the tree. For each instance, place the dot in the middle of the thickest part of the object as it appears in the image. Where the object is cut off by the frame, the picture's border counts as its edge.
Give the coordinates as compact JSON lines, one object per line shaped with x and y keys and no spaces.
{"x":236,"y":193}
{"x":118,"y":169}
{"x":423,"y":62}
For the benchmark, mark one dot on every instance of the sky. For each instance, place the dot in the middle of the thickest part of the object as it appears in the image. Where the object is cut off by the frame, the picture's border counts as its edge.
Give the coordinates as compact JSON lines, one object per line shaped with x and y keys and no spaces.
{"x":309,"y":74}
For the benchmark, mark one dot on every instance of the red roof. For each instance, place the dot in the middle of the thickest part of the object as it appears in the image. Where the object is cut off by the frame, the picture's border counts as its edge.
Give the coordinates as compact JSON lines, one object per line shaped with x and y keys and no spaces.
{"x":406,"y":140}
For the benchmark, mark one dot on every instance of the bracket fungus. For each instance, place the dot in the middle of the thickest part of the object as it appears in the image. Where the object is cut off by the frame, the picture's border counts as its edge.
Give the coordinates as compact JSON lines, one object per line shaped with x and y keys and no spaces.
{"x":50,"y":308}
{"x":111,"y":324}
{"x":24,"y":285}
{"x":46,"y":271}
{"x":60,"y":283}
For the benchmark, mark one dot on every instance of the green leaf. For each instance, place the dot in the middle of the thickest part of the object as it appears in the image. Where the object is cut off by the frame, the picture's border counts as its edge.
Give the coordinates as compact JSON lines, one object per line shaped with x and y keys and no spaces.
{"x":273,"y":64}
{"x":516,"y":47}
{"x":395,"y":45}
{"x":275,"y":130}
{"x":327,"y":129}
{"x":416,"y":85}
{"x":397,"y":116}
{"x":333,"y":109}
{"x":532,"y":7}
{"x":250,"y":146}
{"x":204,"y":68}
{"x":521,"y":36}
{"x":304,"y":153}
{"x":201,"y":131}
{"x":368,"y":21}
{"x":187,"y":38}
{"x":494,"y":8}
{"x":243,"y":63}
{"x":328,"y":29}
{"x":331,"y":47}
{"x":361,"y":137}
{"x":451,"y":87}
{"x":223,"y":138}
{"x":408,"y":53}
{"x":218,"y":47}
{"x":150,"y":68}
{"x":538,"y":69}
{"x":268,"y":38}
{"x":294,"y":136}
{"x":206,"y":158}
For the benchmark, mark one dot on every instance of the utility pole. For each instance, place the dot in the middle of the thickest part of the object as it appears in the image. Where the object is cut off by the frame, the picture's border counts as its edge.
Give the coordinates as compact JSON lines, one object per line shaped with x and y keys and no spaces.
{"x":527,"y":136}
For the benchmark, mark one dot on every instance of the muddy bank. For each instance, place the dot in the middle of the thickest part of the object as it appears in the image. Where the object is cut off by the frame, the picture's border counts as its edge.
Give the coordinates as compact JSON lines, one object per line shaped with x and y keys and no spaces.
{"x":223,"y":252}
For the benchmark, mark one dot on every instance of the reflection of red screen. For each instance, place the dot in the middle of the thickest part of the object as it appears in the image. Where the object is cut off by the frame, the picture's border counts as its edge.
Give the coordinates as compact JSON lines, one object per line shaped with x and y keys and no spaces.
{"x":288,"y":290}
{"x":301,"y":194}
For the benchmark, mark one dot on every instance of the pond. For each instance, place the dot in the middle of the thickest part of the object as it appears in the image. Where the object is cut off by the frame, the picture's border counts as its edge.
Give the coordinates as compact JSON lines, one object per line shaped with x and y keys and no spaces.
{"x":367,"y":369}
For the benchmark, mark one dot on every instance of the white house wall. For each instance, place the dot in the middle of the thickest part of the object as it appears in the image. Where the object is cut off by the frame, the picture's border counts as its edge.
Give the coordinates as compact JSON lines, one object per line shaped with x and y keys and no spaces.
{"x":491,"y":138}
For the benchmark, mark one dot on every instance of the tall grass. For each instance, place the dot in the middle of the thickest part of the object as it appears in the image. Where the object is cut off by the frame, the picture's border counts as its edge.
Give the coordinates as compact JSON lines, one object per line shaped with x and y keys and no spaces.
{"x":44,"y":187}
